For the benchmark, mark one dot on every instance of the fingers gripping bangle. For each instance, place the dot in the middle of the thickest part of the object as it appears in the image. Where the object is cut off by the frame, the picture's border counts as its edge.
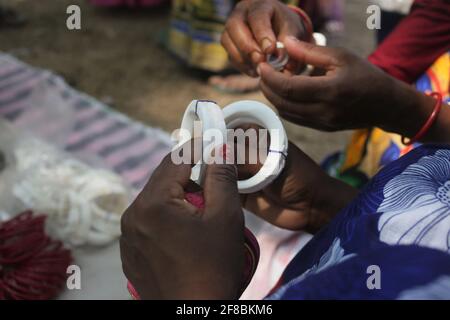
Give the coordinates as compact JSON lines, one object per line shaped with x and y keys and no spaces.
{"x":278,"y":60}
{"x":232,"y":116}
{"x":251,"y":248}
{"x":429,"y":123}
{"x":211,"y":117}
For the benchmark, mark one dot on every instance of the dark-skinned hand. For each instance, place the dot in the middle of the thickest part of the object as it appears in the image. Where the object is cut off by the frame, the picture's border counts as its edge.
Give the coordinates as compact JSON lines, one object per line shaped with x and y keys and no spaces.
{"x":252,"y":30}
{"x":302,"y":197}
{"x":348,"y":92}
{"x":173,"y":250}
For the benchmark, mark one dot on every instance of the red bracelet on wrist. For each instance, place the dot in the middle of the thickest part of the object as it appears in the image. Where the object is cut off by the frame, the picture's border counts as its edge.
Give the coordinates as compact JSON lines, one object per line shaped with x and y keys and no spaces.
{"x":430,"y":121}
{"x":305,"y":19}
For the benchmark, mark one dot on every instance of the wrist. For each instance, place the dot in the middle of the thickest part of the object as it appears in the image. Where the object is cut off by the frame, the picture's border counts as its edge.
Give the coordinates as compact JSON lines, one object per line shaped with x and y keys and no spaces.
{"x":333,"y":196}
{"x":410,"y":110}
{"x":440,"y":130}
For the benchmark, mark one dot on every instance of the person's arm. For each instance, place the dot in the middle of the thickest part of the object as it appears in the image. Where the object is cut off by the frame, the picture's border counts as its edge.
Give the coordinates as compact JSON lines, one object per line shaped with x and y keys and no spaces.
{"x":350,"y":94}
{"x":413,"y":110}
{"x":171,"y":249}
{"x":253,"y":28}
{"x":303,"y":197}
{"x":417,"y":41}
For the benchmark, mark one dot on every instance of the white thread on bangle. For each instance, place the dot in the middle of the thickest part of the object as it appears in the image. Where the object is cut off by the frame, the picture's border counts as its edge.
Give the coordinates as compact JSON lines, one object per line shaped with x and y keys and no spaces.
{"x":83,"y":205}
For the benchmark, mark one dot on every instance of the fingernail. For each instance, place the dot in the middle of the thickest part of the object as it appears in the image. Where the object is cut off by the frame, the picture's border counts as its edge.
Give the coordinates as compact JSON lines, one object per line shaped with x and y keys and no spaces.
{"x":292,"y":38}
{"x":258,"y":70}
{"x":266,"y":44}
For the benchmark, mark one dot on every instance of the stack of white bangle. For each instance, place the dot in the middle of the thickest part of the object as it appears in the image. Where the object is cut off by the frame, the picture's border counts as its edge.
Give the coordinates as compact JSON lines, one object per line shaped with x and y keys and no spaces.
{"x":84,"y":205}
{"x":232,"y":116}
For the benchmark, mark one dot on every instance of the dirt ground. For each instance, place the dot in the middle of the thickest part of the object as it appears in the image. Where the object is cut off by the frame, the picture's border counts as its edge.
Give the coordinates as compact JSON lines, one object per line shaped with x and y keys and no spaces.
{"x":116,"y":57}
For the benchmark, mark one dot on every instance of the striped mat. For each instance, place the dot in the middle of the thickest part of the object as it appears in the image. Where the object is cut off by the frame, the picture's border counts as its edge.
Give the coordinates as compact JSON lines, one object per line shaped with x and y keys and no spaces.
{"x":41,"y":102}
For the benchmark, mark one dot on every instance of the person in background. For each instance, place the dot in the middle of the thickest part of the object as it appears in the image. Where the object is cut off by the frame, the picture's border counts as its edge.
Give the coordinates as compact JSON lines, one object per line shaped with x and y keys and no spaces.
{"x":392,"y":13}
{"x":196,"y":28}
{"x":415,"y":51}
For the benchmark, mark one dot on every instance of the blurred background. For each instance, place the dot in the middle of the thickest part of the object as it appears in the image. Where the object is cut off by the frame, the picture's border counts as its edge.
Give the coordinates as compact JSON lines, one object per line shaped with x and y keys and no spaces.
{"x":118,"y":57}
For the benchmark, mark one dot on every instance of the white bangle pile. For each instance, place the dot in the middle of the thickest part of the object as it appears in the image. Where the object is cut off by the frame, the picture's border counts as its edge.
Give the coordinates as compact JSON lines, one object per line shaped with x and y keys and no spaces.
{"x":83,"y":205}
{"x":231,"y":117}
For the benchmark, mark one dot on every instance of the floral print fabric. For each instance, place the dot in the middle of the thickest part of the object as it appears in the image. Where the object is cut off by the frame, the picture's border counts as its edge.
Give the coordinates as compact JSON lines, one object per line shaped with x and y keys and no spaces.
{"x":399,"y":224}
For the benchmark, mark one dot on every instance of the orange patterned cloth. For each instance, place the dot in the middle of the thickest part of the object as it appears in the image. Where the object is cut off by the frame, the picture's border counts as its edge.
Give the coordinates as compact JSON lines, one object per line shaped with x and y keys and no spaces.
{"x":371,"y":149}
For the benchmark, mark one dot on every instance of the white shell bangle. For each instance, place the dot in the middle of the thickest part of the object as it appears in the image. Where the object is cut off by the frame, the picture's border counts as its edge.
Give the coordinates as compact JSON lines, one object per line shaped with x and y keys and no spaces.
{"x":247,"y":111}
{"x":232,"y":116}
{"x":211,"y":117}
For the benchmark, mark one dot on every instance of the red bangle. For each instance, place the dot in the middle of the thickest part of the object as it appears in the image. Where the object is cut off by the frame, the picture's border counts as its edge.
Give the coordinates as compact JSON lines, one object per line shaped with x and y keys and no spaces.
{"x":430,"y":121}
{"x":305,"y":19}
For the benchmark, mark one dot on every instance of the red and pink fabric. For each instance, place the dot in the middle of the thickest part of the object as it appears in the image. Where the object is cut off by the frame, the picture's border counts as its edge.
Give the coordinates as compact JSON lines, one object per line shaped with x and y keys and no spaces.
{"x":127,"y":3}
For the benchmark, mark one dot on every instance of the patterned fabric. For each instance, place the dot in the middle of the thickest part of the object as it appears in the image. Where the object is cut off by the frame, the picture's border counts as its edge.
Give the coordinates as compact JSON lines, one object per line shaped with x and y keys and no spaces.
{"x":95,"y":132}
{"x":399,"y":225}
{"x":195,"y":31}
{"x":370,"y":149}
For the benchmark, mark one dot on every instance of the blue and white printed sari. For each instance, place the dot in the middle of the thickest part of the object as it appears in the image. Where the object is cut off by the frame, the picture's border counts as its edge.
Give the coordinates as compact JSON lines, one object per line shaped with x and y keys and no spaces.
{"x":391,"y":242}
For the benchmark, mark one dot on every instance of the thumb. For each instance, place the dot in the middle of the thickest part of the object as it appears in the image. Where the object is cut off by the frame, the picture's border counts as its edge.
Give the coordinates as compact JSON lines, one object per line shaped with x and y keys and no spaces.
{"x":309,"y":53}
{"x":220,"y":187}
